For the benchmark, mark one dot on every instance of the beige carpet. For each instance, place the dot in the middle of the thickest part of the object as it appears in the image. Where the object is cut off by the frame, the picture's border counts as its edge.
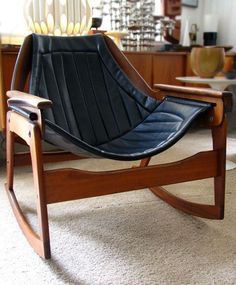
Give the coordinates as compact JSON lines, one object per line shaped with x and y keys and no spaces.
{"x":129,"y":238}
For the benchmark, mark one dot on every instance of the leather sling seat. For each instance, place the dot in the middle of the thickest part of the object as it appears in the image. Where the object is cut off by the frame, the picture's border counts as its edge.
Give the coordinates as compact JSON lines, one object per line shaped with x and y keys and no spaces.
{"x":97,"y":111}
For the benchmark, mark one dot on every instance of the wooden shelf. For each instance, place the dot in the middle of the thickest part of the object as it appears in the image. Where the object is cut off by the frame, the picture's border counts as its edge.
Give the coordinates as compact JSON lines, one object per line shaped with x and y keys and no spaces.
{"x":159,"y":67}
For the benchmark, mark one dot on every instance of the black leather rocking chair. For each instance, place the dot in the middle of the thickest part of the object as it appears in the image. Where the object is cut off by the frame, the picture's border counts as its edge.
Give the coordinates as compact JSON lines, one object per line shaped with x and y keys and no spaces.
{"x":91,"y":102}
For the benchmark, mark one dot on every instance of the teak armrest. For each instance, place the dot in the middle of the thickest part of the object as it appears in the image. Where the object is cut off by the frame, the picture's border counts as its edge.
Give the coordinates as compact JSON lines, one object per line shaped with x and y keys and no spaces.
{"x":190,"y":90}
{"x":221,"y":100}
{"x":25,"y":99}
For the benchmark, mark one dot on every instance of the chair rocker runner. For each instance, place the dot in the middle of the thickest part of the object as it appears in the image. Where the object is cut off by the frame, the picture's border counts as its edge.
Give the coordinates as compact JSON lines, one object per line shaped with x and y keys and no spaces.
{"x":89,"y":100}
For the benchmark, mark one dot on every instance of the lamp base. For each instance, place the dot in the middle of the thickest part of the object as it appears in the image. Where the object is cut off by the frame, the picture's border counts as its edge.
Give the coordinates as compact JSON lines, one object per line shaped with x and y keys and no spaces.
{"x":209,"y":38}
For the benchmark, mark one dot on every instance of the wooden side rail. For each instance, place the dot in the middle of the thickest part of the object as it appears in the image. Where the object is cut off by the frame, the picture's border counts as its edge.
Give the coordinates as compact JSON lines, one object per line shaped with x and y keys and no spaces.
{"x":84,"y":184}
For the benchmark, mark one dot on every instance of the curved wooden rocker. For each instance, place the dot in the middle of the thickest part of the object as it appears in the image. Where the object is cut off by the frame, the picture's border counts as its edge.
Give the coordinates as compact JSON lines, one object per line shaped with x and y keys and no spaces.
{"x":90,"y":101}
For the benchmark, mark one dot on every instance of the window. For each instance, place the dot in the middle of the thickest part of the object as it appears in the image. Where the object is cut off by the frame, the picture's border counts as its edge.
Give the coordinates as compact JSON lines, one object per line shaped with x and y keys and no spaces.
{"x":12,"y":23}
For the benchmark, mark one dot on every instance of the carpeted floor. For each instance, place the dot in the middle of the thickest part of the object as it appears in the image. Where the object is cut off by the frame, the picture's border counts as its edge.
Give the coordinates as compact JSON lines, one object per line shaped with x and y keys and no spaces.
{"x":130,"y":238}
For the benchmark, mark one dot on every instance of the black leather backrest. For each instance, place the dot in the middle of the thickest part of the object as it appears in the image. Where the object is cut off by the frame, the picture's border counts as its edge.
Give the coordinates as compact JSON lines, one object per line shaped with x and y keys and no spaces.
{"x":92,"y":98}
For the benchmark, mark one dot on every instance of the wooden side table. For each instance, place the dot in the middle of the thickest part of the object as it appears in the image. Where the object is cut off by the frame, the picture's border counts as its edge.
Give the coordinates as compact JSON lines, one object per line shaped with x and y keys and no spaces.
{"x":216,"y":83}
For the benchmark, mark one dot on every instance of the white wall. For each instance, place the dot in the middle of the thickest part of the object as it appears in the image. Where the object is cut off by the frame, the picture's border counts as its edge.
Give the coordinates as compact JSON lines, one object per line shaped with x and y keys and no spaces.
{"x":226,"y":12}
{"x":193,"y":16}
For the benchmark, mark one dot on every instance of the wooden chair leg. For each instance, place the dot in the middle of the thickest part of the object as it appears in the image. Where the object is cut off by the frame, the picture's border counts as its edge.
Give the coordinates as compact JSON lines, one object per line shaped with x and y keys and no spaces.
{"x":219,"y":135}
{"x":144,"y":162}
{"x":10,"y":156}
{"x":41,"y":242}
{"x":215,"y":211}
{"x":37,"y":167}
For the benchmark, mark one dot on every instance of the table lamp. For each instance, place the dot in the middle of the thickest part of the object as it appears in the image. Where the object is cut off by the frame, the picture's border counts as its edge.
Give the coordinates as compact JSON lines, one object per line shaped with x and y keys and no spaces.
{"x":58,"y":17}
{"x":210,"y":30}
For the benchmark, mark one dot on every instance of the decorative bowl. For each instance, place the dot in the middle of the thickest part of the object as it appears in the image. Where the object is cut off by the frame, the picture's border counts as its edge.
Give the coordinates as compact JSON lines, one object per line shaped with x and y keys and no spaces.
{"x":206,"y":62}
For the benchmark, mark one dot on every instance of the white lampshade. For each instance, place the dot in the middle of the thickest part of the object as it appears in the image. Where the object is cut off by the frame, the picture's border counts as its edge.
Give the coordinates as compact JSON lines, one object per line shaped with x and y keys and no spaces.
{"x":59,"y":17}
{"x":210,"y":23}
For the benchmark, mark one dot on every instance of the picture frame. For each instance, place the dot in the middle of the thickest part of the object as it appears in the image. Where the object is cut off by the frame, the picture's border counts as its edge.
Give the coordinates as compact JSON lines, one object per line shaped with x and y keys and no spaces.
{"x":190,"y":3}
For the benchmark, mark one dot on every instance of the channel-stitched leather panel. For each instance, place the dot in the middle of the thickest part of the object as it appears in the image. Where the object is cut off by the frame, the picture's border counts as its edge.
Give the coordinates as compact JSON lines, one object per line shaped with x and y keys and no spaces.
{"x":92,"y":98}
{"x":96,"y":110}
{"x":160,"y":130}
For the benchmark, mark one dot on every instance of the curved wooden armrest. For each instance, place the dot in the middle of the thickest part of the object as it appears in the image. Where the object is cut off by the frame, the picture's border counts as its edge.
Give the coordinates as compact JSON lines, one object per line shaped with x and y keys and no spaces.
{"x":190,"y":90}
{"x":26,"y":99}
{"x":221,"y":100}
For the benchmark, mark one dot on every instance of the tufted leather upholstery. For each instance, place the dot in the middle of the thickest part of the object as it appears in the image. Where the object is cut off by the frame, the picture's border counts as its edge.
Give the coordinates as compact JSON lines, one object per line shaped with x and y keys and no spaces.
{"x":96,"y":109}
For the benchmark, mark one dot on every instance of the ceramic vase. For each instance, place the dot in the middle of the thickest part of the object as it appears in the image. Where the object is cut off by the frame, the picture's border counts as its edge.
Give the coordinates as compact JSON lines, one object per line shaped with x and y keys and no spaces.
{"x":206,"y":62}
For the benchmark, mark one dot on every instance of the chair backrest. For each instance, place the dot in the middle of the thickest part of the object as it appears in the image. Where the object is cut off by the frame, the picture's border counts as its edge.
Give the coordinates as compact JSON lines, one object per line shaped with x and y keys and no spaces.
{"x":93,"y":99}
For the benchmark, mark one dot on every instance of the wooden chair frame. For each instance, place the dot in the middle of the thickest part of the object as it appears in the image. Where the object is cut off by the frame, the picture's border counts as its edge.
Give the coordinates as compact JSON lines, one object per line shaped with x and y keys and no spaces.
{"x":83,"y":184}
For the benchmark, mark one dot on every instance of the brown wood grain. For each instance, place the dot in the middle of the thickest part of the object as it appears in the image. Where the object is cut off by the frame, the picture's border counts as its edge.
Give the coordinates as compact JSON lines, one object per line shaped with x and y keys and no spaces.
{"x":82,"y":184}
{"x":143,"y":64}
{"x":167,"y":67}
